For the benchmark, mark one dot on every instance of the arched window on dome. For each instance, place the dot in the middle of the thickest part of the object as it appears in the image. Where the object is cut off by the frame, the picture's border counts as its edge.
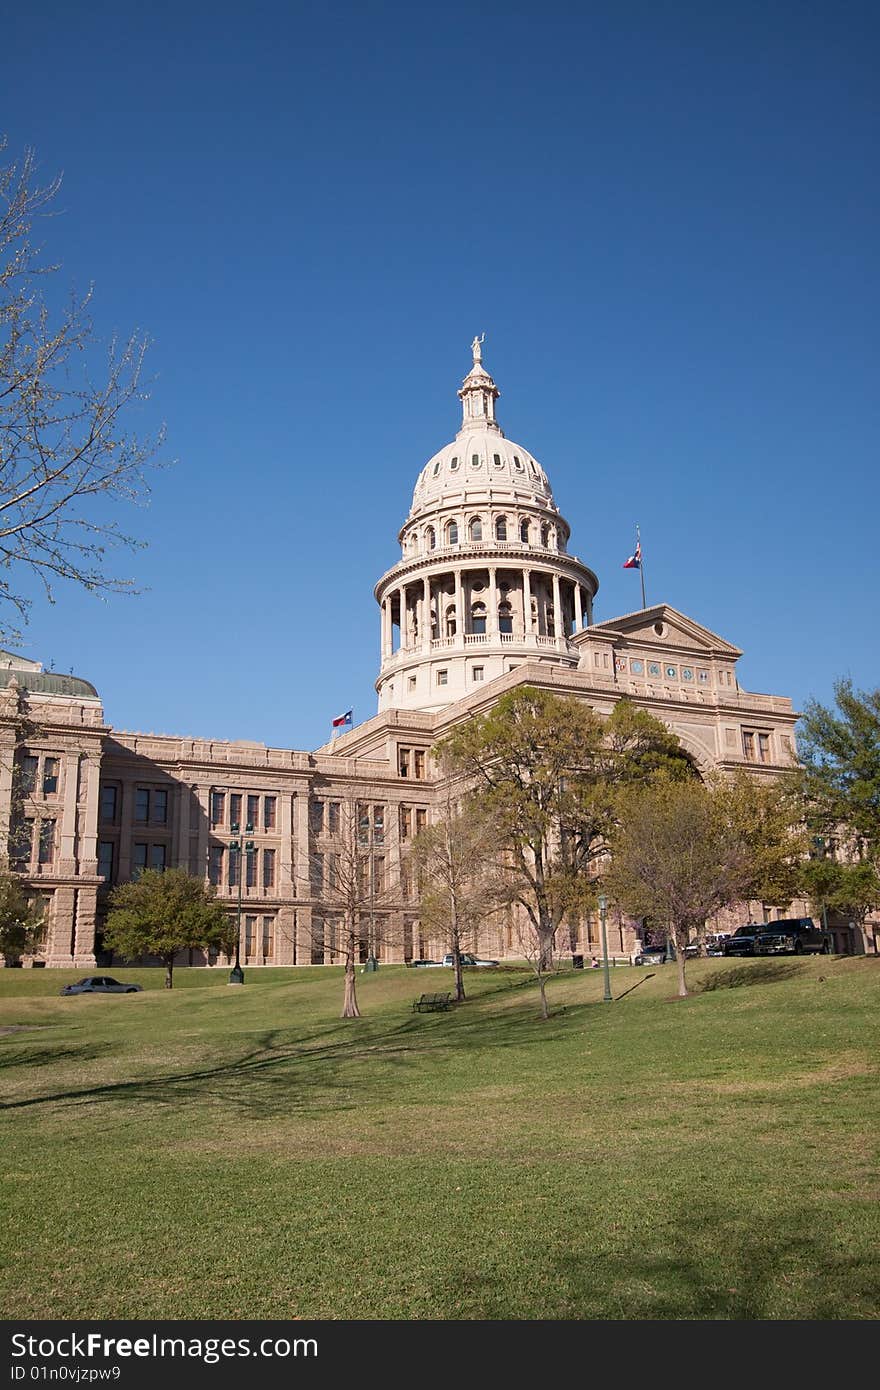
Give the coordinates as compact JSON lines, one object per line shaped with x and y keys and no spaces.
{"x":436,"y":468}
{"x":478,"y":617}
{"x":451,"y":623}
{"x":452,"y":533}
{"x":430,"y":538}
{"x":524,"y":531}
{"x":476,"y":529}
{"x":518,"y":463}
{"x":453,"y":463}
{"x":505,"y":617}
{"x":545,"y":535}
{"x":501,"y":528}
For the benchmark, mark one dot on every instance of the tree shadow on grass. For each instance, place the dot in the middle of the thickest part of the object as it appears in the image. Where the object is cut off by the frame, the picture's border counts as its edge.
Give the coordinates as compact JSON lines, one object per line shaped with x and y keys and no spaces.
{"x":34,"y":1056}
{"x":759,"y":972}
{"x":328,"y":1069}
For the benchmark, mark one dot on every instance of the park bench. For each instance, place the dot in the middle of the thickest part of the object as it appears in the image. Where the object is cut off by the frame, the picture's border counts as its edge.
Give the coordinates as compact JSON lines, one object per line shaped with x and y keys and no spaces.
{"x":427,"y":1003}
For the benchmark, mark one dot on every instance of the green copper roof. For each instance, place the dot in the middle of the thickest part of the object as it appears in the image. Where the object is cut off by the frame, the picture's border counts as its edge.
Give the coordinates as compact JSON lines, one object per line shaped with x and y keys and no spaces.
{"x":47,"y":682}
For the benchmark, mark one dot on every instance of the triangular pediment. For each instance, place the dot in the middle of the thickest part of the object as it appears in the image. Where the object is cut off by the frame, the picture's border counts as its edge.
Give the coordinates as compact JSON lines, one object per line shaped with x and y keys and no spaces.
{"x":662,"y":626}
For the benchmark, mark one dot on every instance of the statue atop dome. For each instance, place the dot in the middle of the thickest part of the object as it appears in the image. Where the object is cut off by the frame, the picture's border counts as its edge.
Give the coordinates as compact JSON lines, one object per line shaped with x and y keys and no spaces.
{"x":477,"y":350}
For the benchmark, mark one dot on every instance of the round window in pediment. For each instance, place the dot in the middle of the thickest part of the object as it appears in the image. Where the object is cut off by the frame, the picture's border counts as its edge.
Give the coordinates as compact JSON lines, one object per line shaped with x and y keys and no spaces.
{"x":660,"y":629}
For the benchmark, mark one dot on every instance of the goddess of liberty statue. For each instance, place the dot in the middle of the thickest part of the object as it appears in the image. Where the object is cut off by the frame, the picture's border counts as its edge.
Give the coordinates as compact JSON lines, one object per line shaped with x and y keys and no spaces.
{"x":477,"y":350}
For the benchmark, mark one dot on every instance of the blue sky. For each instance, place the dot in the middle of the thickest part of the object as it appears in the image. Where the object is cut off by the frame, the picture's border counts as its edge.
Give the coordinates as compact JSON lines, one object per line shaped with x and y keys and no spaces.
{"x":664,"y":216}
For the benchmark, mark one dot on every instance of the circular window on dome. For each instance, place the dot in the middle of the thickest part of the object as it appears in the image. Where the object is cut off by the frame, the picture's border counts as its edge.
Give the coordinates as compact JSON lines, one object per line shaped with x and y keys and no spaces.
{"x":453,"y":463}
{"x":518,"y":463}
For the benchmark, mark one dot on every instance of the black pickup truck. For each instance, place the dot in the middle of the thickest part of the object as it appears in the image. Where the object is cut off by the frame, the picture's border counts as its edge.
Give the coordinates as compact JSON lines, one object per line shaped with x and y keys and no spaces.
{"x":792,"y":936}
{"x":742,"y":943}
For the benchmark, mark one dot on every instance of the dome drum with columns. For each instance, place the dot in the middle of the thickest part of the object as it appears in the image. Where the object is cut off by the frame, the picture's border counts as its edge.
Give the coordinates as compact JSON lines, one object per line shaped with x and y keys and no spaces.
{"x":485,"y":581}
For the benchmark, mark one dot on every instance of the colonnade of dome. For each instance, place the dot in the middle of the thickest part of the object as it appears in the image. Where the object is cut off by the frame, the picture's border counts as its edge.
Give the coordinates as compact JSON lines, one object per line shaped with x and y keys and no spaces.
{"x":485,"y":581}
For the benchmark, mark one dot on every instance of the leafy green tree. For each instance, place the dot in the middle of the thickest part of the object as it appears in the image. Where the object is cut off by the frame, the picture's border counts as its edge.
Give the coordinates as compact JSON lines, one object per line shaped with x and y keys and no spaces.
{"x":840,"y":774}
{"x":546,"y":771}
{"x":677,"y":858}
{"x":163,"y":913}
{"x":21,"y":919}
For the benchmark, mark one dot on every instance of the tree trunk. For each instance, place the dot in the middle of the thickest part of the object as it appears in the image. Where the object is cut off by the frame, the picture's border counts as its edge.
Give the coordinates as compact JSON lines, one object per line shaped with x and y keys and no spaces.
{"x":679,"y":961}
{"x":459,"y":981}
{"x":542,"y":985}
{"x":350,"y":1004}
{"x":169,"y":971}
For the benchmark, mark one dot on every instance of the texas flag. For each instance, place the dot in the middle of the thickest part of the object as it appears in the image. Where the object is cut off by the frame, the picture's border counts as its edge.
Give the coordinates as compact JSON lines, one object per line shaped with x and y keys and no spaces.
{"x":343,"y":721}
{"x":635,"y":560}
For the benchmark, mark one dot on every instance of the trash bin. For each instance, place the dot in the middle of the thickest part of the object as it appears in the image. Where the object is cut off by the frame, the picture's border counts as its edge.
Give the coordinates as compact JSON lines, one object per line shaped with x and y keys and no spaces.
{"x":577,"y":962}
{"x":371,"y":963}
{"x":236,"y":975}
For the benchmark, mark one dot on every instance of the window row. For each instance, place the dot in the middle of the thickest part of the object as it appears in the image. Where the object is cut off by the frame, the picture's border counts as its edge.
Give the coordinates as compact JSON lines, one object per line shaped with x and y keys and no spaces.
{"x":150,"y":804}
{"x":411,"y":763}
{"x":259,"y":938}
{"x":756,"y":746}
{"x":224,"y":867}
{"x":655,"y":670}
{"x":504,"y":529}
{"x":412,"y":819}
{"x":497,"y":462}
{"x":333,"y":873}
{"x":259,"y":811}
{"x":38,"y":770}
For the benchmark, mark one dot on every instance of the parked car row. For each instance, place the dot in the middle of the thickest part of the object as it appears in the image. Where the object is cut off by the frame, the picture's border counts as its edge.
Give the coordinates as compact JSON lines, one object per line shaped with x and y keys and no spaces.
{"x":794,"y":936}
{"x":449,"y":960}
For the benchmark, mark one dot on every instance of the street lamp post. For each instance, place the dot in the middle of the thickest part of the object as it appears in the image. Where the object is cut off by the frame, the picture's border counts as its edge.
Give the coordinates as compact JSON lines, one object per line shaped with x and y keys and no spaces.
{"x":608,"y":997}
{"x":241,"y":848}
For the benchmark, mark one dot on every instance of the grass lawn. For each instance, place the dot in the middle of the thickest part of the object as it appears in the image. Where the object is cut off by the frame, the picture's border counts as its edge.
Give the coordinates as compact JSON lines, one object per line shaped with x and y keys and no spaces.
{"x":244,"y":1153}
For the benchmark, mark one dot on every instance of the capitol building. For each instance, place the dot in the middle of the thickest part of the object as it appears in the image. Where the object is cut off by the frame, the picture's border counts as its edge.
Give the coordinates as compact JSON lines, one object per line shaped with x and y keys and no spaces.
{"x":486,"y":595}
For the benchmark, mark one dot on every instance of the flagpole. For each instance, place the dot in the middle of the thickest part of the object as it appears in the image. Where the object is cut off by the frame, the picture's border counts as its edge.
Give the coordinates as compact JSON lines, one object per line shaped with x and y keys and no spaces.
{"x":641,"y":566}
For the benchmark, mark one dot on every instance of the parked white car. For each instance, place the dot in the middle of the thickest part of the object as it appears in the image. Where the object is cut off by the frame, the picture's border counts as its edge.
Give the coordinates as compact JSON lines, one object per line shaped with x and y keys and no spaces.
{"x":466,"y":959}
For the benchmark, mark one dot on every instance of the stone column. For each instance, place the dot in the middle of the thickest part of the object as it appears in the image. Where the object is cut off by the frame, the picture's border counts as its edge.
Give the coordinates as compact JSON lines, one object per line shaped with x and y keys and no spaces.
{"x":589,"y":609}
{"x":181,"y":838}
{"x":492,"y":625}
{"x":86,"y":905}
{"x":426,"y":613}
{"x":87,"y":850}
{"x":285,"y":887}
{"x":386,"y":627}
{"x":126,"y":823}
{"x":578,"y":610}
{"x":557,"y":608}
{"x":527,"y":602}
{"x":67,"y":851}
{"x":62,"y":936}
{"x":285,"y":936}
{"x":459,"y":608}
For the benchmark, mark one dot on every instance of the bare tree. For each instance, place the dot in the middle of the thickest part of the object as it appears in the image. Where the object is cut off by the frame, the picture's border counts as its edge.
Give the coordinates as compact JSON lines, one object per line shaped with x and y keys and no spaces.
{"x":457,"y":888}
{"x":353,"y":893}
{"x":65,"y":446}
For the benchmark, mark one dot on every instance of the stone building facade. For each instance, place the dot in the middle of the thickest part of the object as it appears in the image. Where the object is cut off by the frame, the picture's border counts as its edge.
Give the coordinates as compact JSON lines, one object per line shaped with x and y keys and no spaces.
{"x":486,"y":596}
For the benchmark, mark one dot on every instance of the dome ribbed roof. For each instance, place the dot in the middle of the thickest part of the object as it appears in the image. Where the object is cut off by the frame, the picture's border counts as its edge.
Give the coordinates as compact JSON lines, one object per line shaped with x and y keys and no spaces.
{"x":479,"y":455}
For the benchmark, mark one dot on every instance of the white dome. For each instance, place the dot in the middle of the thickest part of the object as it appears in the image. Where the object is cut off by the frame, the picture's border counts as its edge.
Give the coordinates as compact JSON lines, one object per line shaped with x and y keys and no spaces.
{"x":480,"y":457}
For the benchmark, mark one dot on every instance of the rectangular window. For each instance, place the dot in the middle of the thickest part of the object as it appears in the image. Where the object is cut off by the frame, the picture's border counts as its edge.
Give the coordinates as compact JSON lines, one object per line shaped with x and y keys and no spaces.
{"x":442,"y":677}
{"x":333,"y":817}
{"x":316,"y":817}
{"x":250,"y":935}
{"x":105,"y":858}
{"x":251,"y":869}
{"x":478,"y":673}
{"x":332,"y":876}
{"x":405,"y":822}
{"x":139,"y":858}
{"x":22,"y":842}
{"x":253,"y":812}
{"x":405,"y":882}
{"x":763,"y":748}
{"x":157,"y":858}
{"x":410,"y":682}
{"x":141,"y":805}
{"x":234,"y":859}
{"x":50,"y":776}
{"x":108,"y":805}
{"x":378,"y":825}
{"x":268,"y":938}
{"x":403,"y":761}
{"x":235,"y":810}
{"x":268,"y":868}
{"x":421,"y":819}
{"x":47,"y":841}
{"x":269,"y":804}
{"x":215,"y":865}
{"x":160,"y":807}
{"x":379,"y":873}
{"x":28,"y":775}
{"x":419,"y":764}
{"x":316,"y":873}
{"x":748,"y":745}
{"x":218,"y":808}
